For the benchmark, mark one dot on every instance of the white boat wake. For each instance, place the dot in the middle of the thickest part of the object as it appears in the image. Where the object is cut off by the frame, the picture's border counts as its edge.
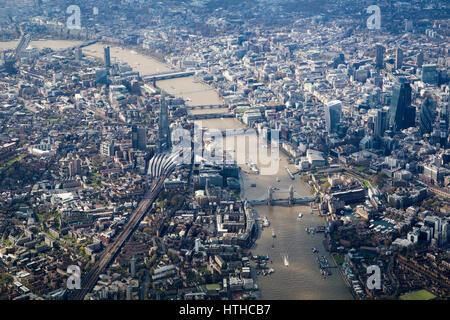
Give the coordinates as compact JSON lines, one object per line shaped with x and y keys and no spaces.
{"x":285,"y":260}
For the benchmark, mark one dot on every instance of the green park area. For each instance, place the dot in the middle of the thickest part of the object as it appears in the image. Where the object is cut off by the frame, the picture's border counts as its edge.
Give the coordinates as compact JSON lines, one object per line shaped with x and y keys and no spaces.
{"x":213,"y":286}
{"x":418,"y":295}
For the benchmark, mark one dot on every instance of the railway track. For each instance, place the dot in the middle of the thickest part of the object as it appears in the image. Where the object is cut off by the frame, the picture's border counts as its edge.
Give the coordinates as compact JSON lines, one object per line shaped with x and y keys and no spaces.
{"x":89,"y":280}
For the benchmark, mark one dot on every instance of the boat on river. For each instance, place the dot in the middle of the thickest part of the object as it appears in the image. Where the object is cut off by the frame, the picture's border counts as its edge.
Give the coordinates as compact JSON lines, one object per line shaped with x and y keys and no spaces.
{"x":286,"y":261}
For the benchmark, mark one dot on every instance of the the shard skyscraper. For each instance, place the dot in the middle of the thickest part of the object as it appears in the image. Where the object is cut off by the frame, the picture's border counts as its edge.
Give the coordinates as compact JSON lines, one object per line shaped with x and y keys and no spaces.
{"x":164,"y":139}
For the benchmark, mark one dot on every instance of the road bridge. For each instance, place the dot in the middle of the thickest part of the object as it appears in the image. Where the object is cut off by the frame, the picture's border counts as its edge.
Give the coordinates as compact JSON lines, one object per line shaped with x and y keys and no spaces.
{"x":209,"y":116}
{"x":292,"y":199}
{"x":167,"y":75}
{"x":206,"y":106}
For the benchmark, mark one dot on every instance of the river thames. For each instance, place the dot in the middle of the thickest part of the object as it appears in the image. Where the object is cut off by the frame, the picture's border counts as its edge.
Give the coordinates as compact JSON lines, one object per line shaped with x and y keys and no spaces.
{"x":302,"y":279}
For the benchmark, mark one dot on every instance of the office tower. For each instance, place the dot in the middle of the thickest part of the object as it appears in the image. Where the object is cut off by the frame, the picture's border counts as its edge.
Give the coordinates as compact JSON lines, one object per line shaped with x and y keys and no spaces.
{"x":333,"y":110}
{"x":101,"y":76}
{"x":419,"y":60}
{"x":74,"y":167}
{"x":379,"y":61}
{"x":77,"y":166}
{"x":408,"y":25}
{"x":107,"y":148}
{"x":138,"y":138}
{"x":445,"y":232}
{"x":142,"y":139}
{"x":378,"y":81}
{"x":398,"y":58}
{"x":134,"y":137}
{"x":164,"y":129}
{"x":107,"y":57}
{"x":78,"y":54}
{"x":430,"y":74}
{"x":442,"y":127}
{"x":402,"y":115}
{"x":380,"y":123}
{"x":71,"y":170}
{"x":427,"y":116}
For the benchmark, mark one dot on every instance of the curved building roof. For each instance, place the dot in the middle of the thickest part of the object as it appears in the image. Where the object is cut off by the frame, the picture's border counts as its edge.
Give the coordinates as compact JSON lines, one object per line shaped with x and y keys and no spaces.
{"x":161,"y":164}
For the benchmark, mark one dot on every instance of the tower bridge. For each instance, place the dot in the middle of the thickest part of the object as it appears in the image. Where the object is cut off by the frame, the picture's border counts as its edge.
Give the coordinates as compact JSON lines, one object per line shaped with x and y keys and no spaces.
{"x":292,"y":199}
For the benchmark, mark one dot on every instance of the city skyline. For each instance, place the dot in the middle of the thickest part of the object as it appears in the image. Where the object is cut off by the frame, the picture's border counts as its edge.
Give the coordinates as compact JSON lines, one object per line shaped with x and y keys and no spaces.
{"x":224,"y":150}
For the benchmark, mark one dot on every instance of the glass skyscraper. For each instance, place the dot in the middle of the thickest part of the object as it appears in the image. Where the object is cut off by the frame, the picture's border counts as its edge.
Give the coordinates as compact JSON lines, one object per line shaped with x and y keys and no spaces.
{"x":107,"y":56}
{"x":380,"y":122}
{"x":164,"y":143}
{"x":333,"y":110}
{"x":427,"y":116}
{"x":379,"y":61}
{"x":430,"y":74}
{"x":402,"y":114}
{"x":138,"y":138}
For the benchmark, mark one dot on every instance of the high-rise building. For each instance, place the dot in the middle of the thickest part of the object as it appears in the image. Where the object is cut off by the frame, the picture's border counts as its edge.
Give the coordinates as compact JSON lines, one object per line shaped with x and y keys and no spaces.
{"x":333,"y":111}
{"x":378,"y":81}
{"x":107,"y":57}
{"x":164,"y":142}
{"x":398,"y":58}
{"x":107,"y":148}
{"x":430,"y":74}
{"x":134,"y":136}
{"x":419,"y":59}
{"x":74,"y":167}
{"x":427,"y":116}
{"x":380,"y":122}
{"x":78,"y":54}
{"x":379,"y":61}
{"x":408,"y":25}
{"x":138,"y":137}
{"x":443,"y":125}
{"x":402,"y":115}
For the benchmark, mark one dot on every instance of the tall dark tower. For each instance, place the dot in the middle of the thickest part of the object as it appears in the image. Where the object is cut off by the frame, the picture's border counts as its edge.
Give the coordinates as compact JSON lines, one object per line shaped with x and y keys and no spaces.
{"x":380,"y":123}
{"x":107,"y":57}
{"x":379,"y":61}
{"x":398,"y":58}
{"x":402,"y":115}
{"x":419,"y":59}
{"x":164,"y":143}
{"x":333,"y":112}
{"x":138,"y":138}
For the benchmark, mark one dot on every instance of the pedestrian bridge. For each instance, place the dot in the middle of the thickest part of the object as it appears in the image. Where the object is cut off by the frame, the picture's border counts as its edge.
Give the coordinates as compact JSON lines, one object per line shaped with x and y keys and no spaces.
{"x":292,"y":199}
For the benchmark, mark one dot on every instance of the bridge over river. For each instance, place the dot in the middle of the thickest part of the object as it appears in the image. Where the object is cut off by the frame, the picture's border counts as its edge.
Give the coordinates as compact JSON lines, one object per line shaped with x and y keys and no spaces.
{"x":167,"y":75}
{"x":292,"y":199}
